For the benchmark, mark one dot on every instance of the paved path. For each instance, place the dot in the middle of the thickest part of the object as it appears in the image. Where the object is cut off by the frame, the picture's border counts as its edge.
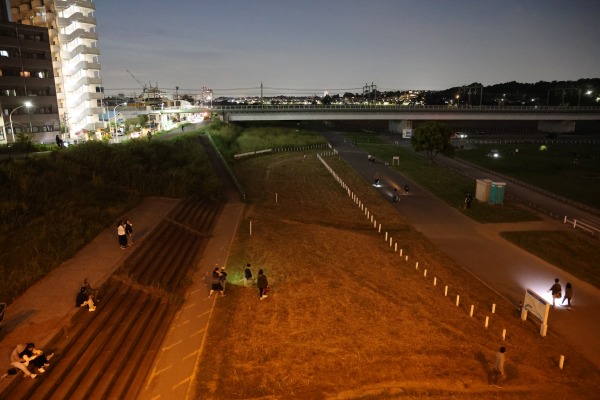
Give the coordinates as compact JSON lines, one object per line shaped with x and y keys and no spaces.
{"x":504,"y":267}
{"x":48,"y":306}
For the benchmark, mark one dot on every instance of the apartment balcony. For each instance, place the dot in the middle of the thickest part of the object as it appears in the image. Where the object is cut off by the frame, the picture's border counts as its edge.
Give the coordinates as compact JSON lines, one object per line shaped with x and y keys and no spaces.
{"x":77,"y":34}
{"x":76,"y":17}
{"x":61,"y":4}
{"x":85,"y":65}
{"x":84,"y":81}
{"x":81,"y":49}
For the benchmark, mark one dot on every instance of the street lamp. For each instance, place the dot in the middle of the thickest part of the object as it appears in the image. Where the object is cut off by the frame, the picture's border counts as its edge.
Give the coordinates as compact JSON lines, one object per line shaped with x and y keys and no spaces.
{"x":12,"y":131}
{"x":115,"y":112}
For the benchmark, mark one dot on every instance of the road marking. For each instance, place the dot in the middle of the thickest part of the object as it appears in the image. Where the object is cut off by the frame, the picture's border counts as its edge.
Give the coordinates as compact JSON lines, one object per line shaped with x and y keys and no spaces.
{"x":198,"y":332}
{"x":188,"y":306}
{"x":186,"y":380}
{"x":160,"y":371}
{"x":203,"y":314}
{"x":171,"y":346}
{"x":191,"y":354}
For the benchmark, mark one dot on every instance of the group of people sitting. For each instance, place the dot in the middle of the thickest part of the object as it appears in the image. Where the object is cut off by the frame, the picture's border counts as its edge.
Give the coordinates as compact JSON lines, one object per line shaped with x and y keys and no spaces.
{"x":25,"y":355}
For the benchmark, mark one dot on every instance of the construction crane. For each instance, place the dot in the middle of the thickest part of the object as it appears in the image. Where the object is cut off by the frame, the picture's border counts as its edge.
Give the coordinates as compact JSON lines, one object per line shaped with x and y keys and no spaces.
{"x":144,"y":87}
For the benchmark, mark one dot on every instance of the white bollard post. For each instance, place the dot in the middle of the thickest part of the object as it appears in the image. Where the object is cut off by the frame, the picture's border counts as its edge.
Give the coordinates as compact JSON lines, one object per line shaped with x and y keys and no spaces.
{"x":457,"y":300}
{"x":395,"y":247}
{"x":250,"y":228}
{"x":434,"y":281}
{"x":406,"y":258}
{"x":494,"y":308}
{"x":417,"y":265}
{"x":371,"y":217}
{"x":503,"y":334}
{"x":471,"y":312}
{"x":386,"y":236}
{"x":487,"y":321}
{"x":446,"y":291}
{"x":379,"y":228}
{"x":561,"y":363}
{"x":374,"y":222}
{"x":390,"y":242}
{"x":425,"y":273}
{"x":401,"y":252}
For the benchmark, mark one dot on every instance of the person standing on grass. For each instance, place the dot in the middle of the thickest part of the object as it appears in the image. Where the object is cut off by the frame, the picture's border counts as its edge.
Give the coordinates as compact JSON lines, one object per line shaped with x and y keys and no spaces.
{"x":122,"y":235}
{"x":247,"y":275}
{"x":129,"y":232}
{"x":556,"y":290}
{"x":568,"y":295}
{"x":262,"y":284}
{"x":216,"y":283}
{"x":223,"y":278}
{"x":498,"y":372}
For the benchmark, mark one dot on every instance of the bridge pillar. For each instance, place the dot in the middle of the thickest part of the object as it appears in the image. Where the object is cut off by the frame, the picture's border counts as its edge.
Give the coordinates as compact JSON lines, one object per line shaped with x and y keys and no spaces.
{"x":556,"y":126}
{"x":399,"y":126}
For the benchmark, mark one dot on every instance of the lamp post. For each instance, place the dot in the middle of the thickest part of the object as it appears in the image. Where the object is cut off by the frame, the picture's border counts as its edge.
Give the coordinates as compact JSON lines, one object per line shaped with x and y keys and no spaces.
{"x":115,"y":112}
{"x":12,"y":131}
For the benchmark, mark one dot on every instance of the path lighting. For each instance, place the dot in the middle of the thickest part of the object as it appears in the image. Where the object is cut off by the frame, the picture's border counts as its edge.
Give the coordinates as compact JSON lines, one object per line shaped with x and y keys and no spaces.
{"x":115,"y":112}
{"x":12,"y":131}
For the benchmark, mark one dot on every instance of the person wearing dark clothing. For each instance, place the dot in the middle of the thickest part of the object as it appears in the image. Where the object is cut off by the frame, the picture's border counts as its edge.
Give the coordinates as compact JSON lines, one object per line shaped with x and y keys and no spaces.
{"x":468,"y":201}
{"x":223,"y":278}
{"x":59,"y":142}
{"x":395,"y":196}
{"x":129,"y":232}
{"x":568,"y":295}
{"x":262,"y":284}
{"x":216,"y":283}
{"x":406,"y":190}
{"x":84,"y":299}
{"x":25,"y":354}
{"x":556,"y":290}
{"x":247,"y":275}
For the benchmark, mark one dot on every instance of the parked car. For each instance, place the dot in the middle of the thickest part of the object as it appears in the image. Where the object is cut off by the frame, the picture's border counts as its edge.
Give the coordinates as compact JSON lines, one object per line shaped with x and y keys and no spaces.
{"x":134,"y":135}
{"x":493,"y":153}
{"x":460,"y":135}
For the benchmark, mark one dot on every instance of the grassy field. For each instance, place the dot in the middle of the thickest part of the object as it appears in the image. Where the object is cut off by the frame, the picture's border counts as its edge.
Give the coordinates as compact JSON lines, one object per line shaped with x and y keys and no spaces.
{"x":53,"y":204}
{"x":348,"y":318}
{"x":445,"y":184}
{"x":569,"y":170}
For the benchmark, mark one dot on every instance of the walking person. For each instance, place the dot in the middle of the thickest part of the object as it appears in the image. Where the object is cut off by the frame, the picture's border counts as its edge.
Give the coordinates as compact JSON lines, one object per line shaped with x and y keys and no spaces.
{"x":263,"y":284}
{"x":129,"y":232}
{"x":498,"y":372}
{"x":121,"y":234}
{"x":406,"y":190}
{"x":556,"y":290}
{"x":568,"y":295}
{"x":216,"y":283}
{"x":247,"y":275}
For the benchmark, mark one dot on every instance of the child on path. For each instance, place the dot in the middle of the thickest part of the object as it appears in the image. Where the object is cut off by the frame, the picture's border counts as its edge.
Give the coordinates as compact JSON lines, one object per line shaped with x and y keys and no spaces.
{"x":498,"y":372}
{"x":121,"y":234}
{"x":247,"y":275}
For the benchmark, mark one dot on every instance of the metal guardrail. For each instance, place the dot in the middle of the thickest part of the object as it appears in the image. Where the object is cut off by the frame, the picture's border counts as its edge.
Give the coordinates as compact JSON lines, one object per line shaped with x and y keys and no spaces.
{"x":581,"y":225}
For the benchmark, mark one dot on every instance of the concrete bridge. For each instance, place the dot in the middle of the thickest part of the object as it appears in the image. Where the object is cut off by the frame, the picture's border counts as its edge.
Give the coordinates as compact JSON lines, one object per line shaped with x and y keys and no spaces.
{"x":549,"y":118}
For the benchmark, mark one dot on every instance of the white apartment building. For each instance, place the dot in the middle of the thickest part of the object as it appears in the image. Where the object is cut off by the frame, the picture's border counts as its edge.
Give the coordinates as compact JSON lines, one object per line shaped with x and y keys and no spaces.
{"x":75,"y":57}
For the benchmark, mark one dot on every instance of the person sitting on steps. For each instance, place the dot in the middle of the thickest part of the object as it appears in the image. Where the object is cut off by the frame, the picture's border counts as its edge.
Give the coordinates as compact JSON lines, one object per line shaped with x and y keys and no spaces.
{"x":25,"y":354}
{"x":84,"y":299}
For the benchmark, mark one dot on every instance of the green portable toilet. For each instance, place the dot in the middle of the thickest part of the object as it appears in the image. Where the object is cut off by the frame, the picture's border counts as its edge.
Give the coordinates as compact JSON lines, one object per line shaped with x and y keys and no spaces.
{"x":497,"y":193}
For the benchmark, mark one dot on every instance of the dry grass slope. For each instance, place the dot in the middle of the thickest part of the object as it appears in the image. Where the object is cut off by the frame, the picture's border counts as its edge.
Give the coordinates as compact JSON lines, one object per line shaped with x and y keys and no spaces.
{"x":348,"y":318}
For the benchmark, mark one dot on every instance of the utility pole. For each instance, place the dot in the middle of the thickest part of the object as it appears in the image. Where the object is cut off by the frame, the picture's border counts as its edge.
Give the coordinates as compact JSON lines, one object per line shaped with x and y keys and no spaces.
{"x":261,"y":93}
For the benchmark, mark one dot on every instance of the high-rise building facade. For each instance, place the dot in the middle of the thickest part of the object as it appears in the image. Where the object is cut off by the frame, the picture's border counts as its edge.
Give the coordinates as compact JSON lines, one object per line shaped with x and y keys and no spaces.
{"x":27,"y":91}
{"x":75,"y":55}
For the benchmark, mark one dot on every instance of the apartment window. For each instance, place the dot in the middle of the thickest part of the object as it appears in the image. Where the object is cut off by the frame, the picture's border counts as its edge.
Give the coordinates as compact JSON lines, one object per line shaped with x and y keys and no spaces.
{"x":3,"y":53}
{"x":41,"y":75}
{"x":25,"y":74}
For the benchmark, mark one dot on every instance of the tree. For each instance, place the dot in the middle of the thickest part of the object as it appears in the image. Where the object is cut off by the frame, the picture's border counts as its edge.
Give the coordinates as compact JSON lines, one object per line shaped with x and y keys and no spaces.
{"x":433,"y":138}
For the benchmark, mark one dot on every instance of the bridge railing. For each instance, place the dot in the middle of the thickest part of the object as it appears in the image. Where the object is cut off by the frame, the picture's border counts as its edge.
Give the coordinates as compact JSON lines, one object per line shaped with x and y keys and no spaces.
{"x":409,"y":108}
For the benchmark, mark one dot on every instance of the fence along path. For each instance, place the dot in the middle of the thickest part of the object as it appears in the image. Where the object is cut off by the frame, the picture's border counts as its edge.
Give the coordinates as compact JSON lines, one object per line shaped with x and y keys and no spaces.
{"x":108,"y":353}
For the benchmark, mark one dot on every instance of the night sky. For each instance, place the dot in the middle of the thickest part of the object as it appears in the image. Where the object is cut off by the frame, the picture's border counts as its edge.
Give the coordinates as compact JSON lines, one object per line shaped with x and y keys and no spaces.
{"x":309,"y":46}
